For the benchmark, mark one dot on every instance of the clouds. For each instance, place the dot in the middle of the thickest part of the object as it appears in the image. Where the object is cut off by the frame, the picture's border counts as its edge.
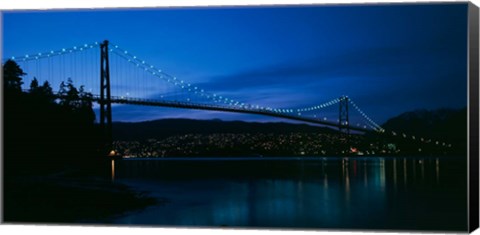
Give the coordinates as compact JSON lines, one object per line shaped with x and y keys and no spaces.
{"x":363,"y":72}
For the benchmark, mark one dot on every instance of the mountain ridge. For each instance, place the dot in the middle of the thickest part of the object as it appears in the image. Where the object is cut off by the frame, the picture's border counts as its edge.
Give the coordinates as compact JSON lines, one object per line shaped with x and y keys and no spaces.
{"x":444,"y":123}
{"x":449,"y":125}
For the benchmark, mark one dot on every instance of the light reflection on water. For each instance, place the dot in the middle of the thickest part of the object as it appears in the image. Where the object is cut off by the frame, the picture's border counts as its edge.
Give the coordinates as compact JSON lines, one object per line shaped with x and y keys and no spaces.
{"x":372,"y":193}
{"x":113,"y":170}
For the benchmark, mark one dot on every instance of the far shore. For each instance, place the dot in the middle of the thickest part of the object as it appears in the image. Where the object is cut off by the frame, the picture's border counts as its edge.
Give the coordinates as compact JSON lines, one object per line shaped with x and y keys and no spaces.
{"x":254,"y":158}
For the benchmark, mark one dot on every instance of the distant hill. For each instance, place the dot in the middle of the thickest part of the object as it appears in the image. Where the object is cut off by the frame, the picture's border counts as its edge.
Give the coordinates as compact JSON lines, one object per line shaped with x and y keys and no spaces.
{"x":443,"y":124}
{"x":167,"y":127}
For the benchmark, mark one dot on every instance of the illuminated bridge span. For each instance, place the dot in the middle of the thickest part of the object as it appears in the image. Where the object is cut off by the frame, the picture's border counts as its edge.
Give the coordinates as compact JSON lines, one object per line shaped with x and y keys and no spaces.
{"x":215,"y":107}
{"x":127,"y":79}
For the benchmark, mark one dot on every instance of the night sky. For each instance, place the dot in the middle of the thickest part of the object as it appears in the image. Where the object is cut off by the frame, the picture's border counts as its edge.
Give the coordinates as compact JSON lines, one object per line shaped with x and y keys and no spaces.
{"x":388,"y":58}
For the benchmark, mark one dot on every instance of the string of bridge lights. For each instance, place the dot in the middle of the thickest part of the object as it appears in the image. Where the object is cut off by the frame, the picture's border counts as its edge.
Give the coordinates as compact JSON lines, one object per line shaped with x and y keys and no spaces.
{"x":381,"y":130}
{"x":421,"y":139}
{"x":184,"y":85}
{"x":377,"y":127}
{"x":52,"y":53}
{"x":372,"y":124}
{"x":321,"y":106}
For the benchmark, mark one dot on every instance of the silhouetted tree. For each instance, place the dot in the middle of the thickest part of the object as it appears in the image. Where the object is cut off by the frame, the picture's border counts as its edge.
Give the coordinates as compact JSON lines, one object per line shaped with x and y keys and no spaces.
{"x":44,"y":133}
{"x":41,"y":94}
{"x":47,"y":92}
{"x":34,"y":85}
{"x":72,"y":98}
{"x":12,"y":76}
{"x":86,"y":105}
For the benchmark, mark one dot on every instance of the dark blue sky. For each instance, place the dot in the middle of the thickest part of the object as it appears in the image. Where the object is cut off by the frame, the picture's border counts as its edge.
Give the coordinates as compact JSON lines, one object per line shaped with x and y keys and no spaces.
{"x":388,"y":58}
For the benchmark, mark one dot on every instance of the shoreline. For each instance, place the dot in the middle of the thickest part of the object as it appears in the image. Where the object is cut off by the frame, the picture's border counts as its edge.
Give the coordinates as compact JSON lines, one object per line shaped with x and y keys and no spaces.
{"x":67,"y":199}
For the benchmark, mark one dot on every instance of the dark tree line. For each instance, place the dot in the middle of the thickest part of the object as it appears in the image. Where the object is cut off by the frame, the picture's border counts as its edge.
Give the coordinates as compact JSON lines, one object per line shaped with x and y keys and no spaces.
{"x":44,"y":132}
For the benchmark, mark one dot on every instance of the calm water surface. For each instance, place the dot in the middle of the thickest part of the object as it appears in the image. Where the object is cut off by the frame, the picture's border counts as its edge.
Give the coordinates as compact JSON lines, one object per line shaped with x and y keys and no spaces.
{"x":351,"y":193}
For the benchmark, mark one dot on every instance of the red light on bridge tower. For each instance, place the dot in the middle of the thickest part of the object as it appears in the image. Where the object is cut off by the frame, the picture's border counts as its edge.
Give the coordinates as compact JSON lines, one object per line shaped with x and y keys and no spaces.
{"x":105,"y":97}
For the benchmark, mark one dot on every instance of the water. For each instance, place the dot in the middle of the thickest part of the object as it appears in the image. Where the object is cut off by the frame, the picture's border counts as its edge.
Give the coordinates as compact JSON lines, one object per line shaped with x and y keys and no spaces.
{"x":346,"y":193}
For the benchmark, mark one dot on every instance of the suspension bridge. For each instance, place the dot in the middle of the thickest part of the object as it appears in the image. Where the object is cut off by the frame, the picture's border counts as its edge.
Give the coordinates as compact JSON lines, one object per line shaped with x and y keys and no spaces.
{"x":126,"y":79}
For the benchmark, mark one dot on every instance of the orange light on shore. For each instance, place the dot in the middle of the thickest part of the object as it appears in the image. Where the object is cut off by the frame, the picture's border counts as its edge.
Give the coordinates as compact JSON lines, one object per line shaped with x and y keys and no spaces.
{"x":112,"y":153}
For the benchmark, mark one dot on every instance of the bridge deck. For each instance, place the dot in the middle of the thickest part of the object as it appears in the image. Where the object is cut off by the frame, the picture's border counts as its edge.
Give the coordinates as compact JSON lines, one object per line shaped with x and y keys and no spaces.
{"x":210,"y":107}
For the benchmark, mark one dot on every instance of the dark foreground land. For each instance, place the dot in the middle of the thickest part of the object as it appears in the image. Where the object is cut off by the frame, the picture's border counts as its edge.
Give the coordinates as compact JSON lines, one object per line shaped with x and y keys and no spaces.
{"x":68,"y":197}
{"x":53,"y":171}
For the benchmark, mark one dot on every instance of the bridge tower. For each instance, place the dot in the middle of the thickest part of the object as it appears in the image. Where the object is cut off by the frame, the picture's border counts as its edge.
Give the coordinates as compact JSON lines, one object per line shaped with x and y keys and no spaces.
{"x":344,"y":125}
{"x":105,"y":97}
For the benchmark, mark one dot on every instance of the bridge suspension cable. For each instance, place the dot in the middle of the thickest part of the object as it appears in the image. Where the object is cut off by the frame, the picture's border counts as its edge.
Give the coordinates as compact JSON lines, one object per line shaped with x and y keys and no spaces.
{"x":185,"y":86}
{"x":320,"y":106}
{"x":374,"y":124}
{"x":52,"y":53}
